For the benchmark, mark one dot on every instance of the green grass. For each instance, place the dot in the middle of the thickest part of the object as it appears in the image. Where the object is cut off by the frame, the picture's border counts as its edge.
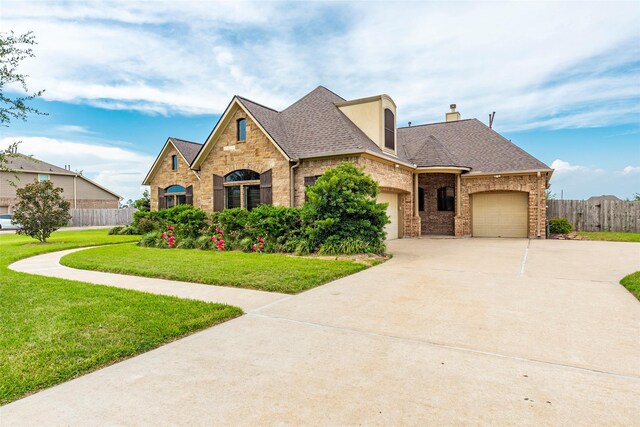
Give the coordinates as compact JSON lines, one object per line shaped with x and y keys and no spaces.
{"x":610,"y":236}
{"x":632,"y":283}
{"x":267,"y":272}
{"x":52,"y":330}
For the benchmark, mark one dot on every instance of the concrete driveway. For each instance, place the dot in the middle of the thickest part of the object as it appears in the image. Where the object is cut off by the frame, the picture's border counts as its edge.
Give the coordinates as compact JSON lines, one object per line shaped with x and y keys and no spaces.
{"x":448,"y":332}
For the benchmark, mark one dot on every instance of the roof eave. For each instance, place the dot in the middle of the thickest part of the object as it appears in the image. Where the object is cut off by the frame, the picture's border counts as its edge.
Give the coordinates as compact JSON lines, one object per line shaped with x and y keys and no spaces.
{"x":511,"y":172}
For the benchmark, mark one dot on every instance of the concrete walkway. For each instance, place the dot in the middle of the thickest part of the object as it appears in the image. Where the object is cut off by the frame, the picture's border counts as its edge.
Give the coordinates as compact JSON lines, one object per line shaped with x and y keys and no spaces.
{"x":49,"y":265}
{"x":448,"y":332}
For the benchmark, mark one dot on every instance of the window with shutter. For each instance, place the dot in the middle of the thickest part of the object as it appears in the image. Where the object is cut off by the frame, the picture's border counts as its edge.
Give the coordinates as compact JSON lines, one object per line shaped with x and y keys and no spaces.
{"x":389,"y":129}
{"x":265,"y":189}
{"x":309,"y":181}
{"x":218,"y":193}
{"x":161,"y":200}
{"x":189,"y":195}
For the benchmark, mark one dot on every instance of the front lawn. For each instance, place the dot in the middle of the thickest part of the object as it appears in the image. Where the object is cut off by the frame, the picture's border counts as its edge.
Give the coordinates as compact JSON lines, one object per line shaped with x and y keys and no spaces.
{"x":52,"y":330}
{"x":632,"y":283}
{"x":267,"y":272}
{"x":610,"y":236}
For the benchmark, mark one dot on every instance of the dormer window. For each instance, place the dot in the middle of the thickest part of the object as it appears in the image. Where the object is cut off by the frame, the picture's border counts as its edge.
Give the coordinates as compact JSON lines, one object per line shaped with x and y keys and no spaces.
{"x":389,"y":130}
{"x":174,"y":162}
{"x":242,"y":129}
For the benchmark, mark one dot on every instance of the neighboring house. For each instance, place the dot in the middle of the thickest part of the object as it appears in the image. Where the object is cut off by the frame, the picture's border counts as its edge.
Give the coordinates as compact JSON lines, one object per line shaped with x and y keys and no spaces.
{"x":458,"y":177}
{"x":608,"y":198}
{"x":80,"y":191}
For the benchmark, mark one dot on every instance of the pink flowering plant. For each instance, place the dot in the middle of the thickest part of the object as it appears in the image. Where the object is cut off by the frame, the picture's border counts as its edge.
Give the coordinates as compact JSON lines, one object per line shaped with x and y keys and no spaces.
{"x":169,"y":236}
{"x":258,"y":246}
{"x":217,"y":240}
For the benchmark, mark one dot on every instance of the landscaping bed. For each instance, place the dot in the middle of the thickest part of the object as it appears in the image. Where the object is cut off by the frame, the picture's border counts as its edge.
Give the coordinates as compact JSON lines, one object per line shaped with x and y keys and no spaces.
{"x":267,"y":272}
{"x":54,"y":329}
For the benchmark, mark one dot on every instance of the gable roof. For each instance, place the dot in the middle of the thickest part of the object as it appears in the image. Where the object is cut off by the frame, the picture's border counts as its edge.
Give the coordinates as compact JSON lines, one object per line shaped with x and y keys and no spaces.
{"x":21,"y":163}
{"x":467,"y":143}
{"x":188,"y":149}
{"x":314,"y":126}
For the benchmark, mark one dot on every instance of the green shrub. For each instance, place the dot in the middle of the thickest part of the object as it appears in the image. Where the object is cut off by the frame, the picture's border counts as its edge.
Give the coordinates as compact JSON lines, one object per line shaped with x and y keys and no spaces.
{"x":115,"y":230}
{"x":560,"y":226}
{"x":153,"y":239}
{"x":245,"y":244}
{"x":277,"y":224}
{"x":144,"y":225}
{"x":128,"y":230}
{"x":204,"y":243}
{"x":188,"y":220}
{"x":187,"y":243}
{"x":341,"y":206}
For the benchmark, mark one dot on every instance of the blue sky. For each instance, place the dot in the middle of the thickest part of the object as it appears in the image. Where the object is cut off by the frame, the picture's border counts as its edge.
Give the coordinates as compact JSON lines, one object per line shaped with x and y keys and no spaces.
{"x":120,"y":77}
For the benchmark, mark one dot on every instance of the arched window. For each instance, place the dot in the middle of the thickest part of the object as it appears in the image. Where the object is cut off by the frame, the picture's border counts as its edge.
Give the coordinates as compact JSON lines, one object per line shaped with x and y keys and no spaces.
{"x":242,"y":129}
{"x":242,"y":189}
{"x":389,"y":129}
{"x":446,"y":199}
{"x":242,"y":175}
{"x":175,"y":195}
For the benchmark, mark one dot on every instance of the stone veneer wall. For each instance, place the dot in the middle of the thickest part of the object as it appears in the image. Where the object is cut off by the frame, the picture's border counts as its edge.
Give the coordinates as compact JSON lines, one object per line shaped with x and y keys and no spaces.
{"x":528,"y":183}
{"x":257,"y":153}
{"x":165,"y":177}
{"x":433,"y":220}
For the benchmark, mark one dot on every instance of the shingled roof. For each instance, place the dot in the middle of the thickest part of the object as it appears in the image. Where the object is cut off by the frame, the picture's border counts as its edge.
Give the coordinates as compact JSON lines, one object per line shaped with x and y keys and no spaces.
{"x":22,"y":163}
{"x":468,"y":143}
{"x":188,"y":149}
{"x":314,"y":126}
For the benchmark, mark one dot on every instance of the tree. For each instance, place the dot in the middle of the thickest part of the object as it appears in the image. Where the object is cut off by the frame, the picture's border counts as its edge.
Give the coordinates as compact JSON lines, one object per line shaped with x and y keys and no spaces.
{"x":144,"y":203}
{"x":342,"y":212}
{"x":549,"y":195}
{"x":636,"y":197}
{"x":13,"y":50}
{"x":40,"y":210}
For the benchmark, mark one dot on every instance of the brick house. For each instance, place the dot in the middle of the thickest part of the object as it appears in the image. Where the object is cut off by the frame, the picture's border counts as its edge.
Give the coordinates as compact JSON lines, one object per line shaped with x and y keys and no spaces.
{"x":78,"y":190}
{"x":457,"y":177}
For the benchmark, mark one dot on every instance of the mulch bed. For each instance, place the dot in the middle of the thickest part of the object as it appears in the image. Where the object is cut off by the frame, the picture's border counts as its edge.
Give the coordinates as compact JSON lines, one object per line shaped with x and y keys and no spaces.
{"x":570,"y":236}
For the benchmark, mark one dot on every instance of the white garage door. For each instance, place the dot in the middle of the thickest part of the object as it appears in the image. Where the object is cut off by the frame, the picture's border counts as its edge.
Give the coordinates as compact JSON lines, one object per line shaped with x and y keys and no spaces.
{"x":500,"y":214}
{"x":392,"y":211}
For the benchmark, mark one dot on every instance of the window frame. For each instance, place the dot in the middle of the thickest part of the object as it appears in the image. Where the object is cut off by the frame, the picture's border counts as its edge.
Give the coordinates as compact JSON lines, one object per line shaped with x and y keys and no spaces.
{"x":243,"y":186}
{"x":446,"y":199}
{"x":41,"y":175}
{"x":241,"y":130}
{"x":389,"y":130}
{"x":174,"y":162}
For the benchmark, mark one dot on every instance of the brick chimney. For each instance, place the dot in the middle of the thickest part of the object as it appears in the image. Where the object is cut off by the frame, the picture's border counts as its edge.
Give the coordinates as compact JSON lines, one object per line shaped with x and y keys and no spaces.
{"x":453,"y":115}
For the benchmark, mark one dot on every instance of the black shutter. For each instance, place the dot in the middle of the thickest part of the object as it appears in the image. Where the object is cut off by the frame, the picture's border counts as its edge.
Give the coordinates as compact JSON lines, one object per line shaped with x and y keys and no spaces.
{"x":189,"y":195}
{"x":162,"y":203}
{"x":266,"y":195}
{"x":308,"y":180}
{"x":218,"y":193}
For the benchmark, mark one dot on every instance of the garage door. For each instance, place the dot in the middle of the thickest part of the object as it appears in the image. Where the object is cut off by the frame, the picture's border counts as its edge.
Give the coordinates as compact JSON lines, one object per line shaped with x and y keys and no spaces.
{"x":392,"y":211}
{"x":500,"y":214}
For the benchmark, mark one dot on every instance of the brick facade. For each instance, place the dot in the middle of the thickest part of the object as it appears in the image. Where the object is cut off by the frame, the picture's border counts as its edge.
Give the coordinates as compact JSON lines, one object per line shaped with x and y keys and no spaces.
{"x":530,"y":184}
{"x":433,"y":220}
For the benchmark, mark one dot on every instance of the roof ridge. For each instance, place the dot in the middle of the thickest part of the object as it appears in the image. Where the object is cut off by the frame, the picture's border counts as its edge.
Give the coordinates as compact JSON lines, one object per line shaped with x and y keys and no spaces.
{"x":257,"y":103}
{"x":184,"y":140}
{"x":437,"y":123}
{"x":308,"y":95}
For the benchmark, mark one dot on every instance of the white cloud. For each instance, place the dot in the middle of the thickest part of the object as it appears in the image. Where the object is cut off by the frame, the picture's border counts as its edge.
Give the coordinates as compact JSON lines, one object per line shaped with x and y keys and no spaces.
{"x":73,"y":129}
{"x":561,"y":166}
{"x":520,"y":59}
{"x":629,"y":170}
{"x":115,"y":168}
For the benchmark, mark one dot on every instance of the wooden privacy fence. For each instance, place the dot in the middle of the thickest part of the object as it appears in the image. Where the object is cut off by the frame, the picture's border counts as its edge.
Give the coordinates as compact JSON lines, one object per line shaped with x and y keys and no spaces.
{"x":89,"y":217}
{"x":597,"y":215}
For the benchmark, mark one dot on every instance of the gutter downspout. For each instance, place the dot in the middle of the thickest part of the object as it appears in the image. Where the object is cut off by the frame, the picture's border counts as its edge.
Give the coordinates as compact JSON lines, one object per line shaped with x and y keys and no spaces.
{"x":538,"y":202}
{"x":292,"y":188}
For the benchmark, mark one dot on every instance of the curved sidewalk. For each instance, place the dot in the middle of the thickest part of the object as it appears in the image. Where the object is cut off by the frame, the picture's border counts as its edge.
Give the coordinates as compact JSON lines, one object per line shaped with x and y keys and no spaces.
{"x":49,"y":265}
